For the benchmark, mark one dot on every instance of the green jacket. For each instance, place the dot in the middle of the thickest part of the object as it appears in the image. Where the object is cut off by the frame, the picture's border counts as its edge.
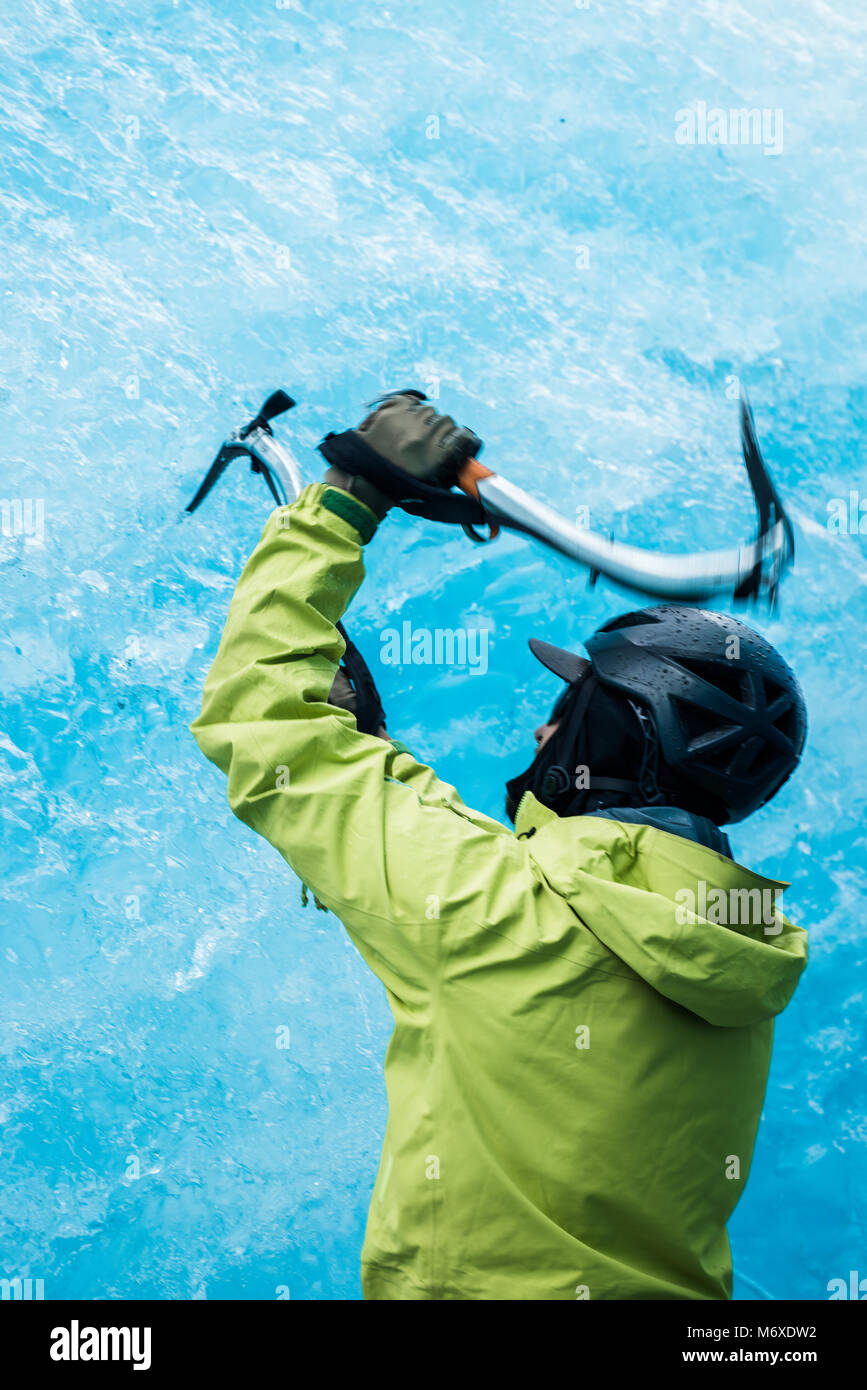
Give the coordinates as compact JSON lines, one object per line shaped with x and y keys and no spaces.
{"x":578,"y":1061}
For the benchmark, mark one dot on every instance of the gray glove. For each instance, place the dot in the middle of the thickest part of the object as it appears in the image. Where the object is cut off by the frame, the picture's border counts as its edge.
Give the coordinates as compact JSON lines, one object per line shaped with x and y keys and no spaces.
{"x":410,"y":434}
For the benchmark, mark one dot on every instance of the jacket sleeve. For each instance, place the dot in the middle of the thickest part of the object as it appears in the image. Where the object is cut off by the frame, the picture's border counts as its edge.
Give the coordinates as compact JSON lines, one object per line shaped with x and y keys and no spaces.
{"x":379,"y":839}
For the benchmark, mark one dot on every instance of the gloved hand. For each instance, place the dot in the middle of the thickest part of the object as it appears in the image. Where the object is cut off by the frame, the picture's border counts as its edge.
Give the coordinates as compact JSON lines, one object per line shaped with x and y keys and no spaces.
{"x":410,"y":434}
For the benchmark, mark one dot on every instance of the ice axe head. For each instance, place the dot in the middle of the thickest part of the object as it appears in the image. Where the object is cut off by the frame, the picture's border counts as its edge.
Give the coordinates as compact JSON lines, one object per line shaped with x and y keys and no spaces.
{"x":276,"y":404}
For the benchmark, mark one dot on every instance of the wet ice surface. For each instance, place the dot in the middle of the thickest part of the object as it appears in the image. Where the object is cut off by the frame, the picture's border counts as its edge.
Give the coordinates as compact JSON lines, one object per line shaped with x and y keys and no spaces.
{"x":203,"y":203}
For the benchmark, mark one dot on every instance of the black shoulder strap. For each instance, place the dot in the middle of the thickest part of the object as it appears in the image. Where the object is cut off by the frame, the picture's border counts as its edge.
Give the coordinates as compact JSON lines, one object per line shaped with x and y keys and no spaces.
{"x":369,"y":714}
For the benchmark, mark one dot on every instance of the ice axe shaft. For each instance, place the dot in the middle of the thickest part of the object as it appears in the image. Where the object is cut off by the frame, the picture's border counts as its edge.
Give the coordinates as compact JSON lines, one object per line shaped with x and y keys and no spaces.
{"x":747,"y":571}
{"x":743,"y":571}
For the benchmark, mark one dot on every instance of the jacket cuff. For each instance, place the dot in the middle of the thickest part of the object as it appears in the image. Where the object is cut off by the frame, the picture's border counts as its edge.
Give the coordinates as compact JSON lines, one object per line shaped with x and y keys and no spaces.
{"x":344,"y":505}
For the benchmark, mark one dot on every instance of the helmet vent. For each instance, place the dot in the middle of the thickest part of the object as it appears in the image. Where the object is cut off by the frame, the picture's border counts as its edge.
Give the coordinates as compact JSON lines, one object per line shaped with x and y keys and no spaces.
{"x":722,"y":675}
{"x":787,"y":723}
{"x":639,"y":619}
{"x":750,"y":757}
{"x":701,"y":724}
{"x":781,"y":708}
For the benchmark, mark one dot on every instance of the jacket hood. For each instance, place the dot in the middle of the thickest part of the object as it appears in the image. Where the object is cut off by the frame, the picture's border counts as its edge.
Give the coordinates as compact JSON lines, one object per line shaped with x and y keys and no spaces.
{"x":703,"y":931}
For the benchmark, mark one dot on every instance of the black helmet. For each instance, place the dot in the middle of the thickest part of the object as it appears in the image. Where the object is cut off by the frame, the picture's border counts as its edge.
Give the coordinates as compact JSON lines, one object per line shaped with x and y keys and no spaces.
{"x":715,"y":702}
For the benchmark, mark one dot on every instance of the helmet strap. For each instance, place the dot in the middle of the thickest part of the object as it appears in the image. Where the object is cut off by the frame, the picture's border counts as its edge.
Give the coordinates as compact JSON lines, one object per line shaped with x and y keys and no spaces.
{"x":648,"y":776}
{"x":643,"y":790}
{"x":552,"y":778}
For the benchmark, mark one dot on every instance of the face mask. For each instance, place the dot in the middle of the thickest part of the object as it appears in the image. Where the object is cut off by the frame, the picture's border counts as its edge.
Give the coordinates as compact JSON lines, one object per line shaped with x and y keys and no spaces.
{"x":547,"y":777}
{"x":586,"y":764}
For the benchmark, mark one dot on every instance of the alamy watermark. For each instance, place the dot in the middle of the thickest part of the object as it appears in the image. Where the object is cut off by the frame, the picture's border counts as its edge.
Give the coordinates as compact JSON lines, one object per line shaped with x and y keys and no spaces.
{"x":23,"y":517}
{"x":703,"y":125}
{"x":730,"y":907}
{"x":853,"y":1288}
{"x":847,"y":516}
{"x":22,"y":1289}
{"x":77,"y":1343}
{"x":423,"y":646}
